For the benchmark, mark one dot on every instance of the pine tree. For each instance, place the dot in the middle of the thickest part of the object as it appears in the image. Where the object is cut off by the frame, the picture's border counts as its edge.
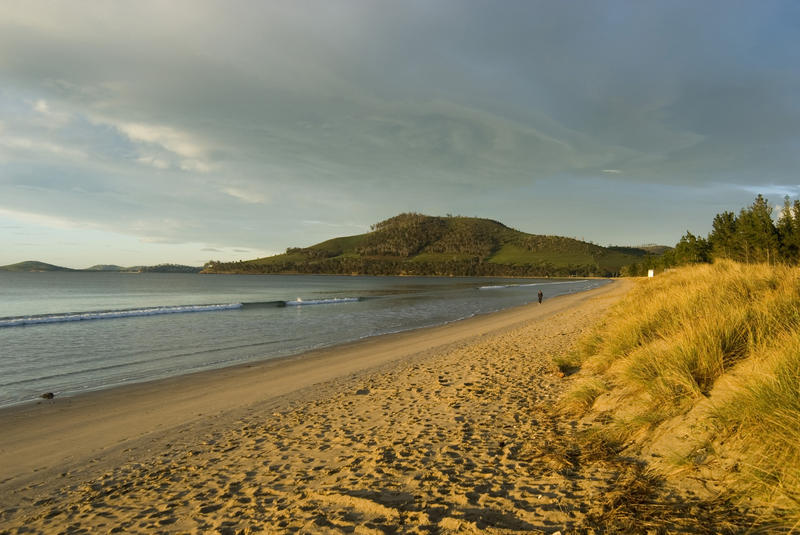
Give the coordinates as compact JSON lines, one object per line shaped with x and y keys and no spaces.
{"x":756,"y":234}
{"x":691,"y":250}
{"x":788,"y":228}
{"x":723,"y":236}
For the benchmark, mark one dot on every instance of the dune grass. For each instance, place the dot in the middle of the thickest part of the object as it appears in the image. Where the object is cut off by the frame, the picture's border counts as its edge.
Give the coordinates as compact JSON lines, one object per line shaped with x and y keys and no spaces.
{"x":670,"y":343}
{"x":765,"y":415}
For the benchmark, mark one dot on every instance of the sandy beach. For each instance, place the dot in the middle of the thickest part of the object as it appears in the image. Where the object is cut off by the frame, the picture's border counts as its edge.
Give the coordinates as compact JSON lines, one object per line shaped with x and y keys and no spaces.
{"x":447,"y":429}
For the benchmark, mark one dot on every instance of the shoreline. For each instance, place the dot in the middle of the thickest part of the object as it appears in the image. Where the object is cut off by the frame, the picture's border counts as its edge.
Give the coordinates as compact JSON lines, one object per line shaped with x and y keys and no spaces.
{"x":93,"y":389}
{"x":568,"y":277}
{"x":46,"y":438}
{"x":47,"y":430}
{"x":373,"y":433}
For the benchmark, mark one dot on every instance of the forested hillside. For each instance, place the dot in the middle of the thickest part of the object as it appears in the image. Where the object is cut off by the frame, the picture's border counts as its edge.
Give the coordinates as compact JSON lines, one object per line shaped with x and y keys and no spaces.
{"x":416,"y":244}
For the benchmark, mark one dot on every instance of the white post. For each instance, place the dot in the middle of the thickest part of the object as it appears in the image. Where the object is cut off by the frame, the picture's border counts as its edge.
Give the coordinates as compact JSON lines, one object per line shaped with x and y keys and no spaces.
{"x":650,"y":273}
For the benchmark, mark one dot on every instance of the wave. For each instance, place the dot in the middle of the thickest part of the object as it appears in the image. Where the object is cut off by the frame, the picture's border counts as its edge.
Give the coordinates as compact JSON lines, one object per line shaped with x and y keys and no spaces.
{"x":264,"y":304}
{"x":499,"y":286}
{"x":112,"y":314}
{"x":331,"y":301}
{"x":21,"y":321}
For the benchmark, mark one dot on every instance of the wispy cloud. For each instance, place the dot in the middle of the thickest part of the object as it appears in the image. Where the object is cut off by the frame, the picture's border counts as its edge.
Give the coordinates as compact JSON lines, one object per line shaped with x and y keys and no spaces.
{"x":154,"y":161}
{"x":246,"y":196}
{"x":184,"y":151}
{"x":42,"y":220}
{"x":53,"y":118}
{"x":39,"y":146}
{"x":169,"y":138}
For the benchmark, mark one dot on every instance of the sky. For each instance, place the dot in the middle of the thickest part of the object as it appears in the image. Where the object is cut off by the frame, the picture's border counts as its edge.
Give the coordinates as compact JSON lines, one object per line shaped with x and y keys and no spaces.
{"x":144,"y":132}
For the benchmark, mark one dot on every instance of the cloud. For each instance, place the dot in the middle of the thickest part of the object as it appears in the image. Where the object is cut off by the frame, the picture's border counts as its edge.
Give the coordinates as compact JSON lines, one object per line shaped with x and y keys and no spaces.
{"x":167,"y":137}
{"x":154,"y":161}
{"x":461,"y":102}
{"x":350,"y":113}
{"x":249,"y":197}
{"x":178,"y":148}
{"x":53,"y":118}
{"x":37,"y":146}
{"x":43,"y":220}
{"x":195,"y":165}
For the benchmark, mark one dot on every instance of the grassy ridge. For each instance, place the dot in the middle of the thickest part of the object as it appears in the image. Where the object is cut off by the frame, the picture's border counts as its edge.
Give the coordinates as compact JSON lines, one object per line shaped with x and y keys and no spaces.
{"x":712,"y":353}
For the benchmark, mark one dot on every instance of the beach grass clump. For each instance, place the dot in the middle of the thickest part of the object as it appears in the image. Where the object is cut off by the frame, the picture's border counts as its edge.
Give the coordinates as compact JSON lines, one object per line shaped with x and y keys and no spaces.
{"x":665,"y":348}
{"x":568,"y":363}
{"x":582,"y":396}
{"x":674,"y":336}
{"x":763,"y":417}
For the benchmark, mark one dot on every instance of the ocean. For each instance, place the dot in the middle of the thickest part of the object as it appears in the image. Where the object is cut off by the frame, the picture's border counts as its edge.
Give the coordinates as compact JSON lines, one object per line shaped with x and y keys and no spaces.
{"x":73,"y":332}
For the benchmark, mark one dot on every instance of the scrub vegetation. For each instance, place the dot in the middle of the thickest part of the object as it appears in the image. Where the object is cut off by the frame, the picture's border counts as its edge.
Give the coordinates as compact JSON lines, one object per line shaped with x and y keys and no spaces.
{"x":700,"y":368}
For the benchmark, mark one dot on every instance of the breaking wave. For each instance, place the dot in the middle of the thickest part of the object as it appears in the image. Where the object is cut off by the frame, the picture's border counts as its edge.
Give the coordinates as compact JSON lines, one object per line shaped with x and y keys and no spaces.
{"x":332,"y":301}
{"x":499,"y":286}
{"x":21,"y":321}
{"x":112,"y":314}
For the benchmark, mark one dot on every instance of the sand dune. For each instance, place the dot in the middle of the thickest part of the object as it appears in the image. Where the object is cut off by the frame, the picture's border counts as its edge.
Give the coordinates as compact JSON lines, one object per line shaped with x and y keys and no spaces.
{"x":462,"y":438}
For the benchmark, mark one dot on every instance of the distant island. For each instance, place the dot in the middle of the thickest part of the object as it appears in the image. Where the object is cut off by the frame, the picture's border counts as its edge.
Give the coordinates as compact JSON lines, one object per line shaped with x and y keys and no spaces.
{"x":35,"y":266}
{"x":416,"y":244}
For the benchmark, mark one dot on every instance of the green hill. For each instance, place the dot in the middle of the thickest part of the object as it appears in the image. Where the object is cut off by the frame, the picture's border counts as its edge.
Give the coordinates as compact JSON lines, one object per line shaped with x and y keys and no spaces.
{"x":106,"y":267}
{"x":415,"y":244}
{"x":166,"y":268}
{"x":32,"y":265}
{"x":160,"y":268}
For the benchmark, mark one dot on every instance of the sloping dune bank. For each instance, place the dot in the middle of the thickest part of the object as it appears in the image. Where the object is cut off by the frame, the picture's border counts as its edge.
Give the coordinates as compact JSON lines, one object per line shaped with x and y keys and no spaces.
{"x":449,"y":430}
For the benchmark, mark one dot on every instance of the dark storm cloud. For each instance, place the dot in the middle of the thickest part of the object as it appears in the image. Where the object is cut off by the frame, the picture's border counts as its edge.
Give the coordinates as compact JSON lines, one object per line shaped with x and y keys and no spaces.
{"x":219,"y":122}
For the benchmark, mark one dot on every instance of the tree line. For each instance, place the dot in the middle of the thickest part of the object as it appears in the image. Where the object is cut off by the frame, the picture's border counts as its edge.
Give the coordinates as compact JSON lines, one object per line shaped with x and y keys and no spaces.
{"x":751,"y":236}
{"x":474,"y":267}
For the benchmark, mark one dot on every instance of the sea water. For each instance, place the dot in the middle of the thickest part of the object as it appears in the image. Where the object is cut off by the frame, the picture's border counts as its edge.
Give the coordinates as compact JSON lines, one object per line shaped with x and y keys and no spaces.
{"x":72,"y":332}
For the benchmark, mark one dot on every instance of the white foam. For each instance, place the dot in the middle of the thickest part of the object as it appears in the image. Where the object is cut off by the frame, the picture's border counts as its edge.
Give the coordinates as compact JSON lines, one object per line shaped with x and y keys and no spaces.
{"x":331,"y":301}
{"x":111,"y":314}
{"x":525,"y":285}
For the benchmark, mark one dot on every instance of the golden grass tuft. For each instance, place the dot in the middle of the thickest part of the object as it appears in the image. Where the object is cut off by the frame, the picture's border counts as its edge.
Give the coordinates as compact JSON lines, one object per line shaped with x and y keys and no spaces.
{"x":582,"y":396}
{"x":671,"y":340}
{"x":764,"y":416}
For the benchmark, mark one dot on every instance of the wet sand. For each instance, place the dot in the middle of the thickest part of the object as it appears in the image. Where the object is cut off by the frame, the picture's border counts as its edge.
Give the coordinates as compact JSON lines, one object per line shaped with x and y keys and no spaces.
{"x":436,"y":430}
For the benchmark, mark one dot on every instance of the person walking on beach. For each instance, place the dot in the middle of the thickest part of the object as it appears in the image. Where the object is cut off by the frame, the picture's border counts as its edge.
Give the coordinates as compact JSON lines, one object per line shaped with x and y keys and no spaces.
{"x":540,"y":296}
